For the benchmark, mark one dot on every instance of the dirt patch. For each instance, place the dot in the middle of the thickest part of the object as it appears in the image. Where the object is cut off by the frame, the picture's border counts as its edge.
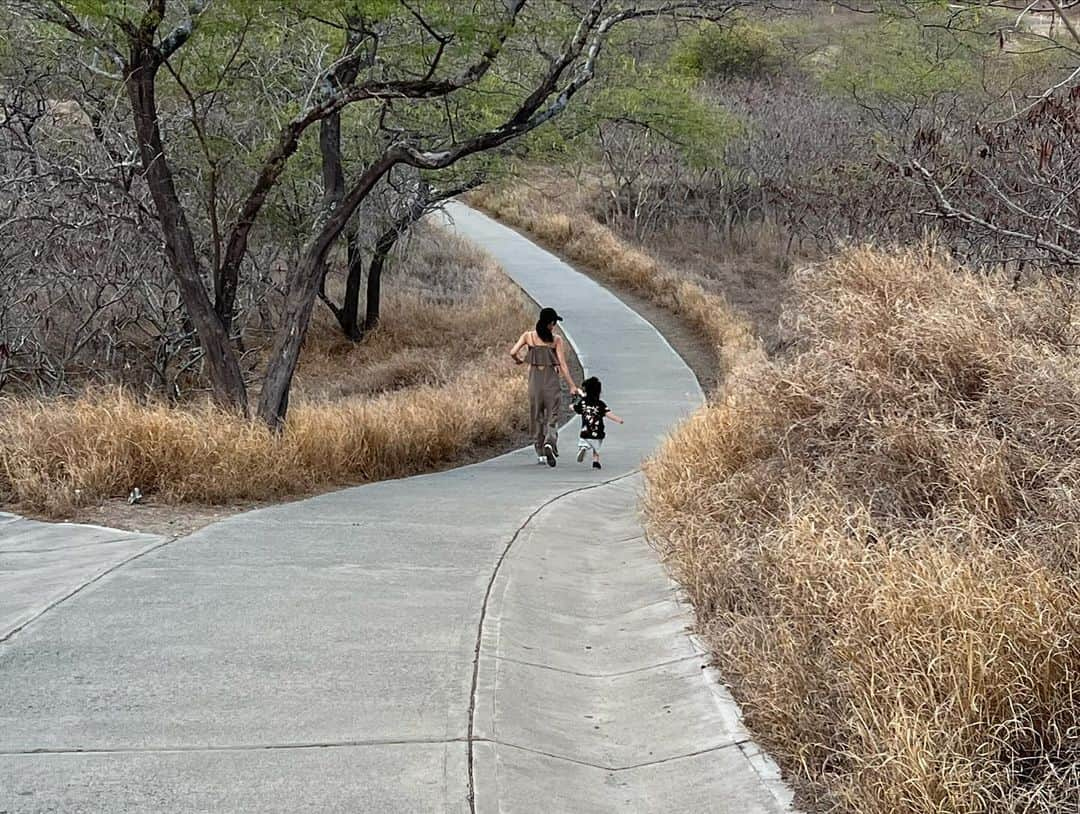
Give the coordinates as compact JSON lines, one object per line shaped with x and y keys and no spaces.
{"x":164,"y":519}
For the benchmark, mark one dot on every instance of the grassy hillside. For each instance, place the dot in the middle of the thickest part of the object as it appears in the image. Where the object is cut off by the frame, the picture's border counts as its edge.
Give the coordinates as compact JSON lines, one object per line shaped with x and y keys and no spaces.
{"x":880,"y":536}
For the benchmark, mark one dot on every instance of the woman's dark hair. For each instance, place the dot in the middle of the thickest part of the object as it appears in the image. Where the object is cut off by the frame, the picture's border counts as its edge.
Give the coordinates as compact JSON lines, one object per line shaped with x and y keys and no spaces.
{"x":548,"y":316}
{"x":591,"y":386}
{"x":543,"y":330}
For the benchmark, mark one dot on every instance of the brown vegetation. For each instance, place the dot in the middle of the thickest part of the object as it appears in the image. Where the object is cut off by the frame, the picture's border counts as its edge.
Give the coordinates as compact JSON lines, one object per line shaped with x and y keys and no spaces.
{"x":880,"y":537}
{"x":423,"y":391}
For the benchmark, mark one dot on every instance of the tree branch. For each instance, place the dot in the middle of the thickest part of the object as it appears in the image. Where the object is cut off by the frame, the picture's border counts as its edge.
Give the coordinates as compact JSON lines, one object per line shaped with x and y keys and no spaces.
{"x":948,"y":210}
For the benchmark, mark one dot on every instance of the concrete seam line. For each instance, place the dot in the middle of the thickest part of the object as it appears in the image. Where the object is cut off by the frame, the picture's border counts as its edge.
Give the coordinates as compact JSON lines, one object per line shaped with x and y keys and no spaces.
{"x":618,"y":674}
{"x":9,"y":635}
{"x":254,"y":747}
{"x":483,"y":616}
{"x":75,"y":547}
{"x":632,"y":767}
{"x":770,"y":775}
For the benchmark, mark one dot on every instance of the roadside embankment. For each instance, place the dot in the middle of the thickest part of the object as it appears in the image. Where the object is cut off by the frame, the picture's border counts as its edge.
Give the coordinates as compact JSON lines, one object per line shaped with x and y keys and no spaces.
{"x":880,"y":536}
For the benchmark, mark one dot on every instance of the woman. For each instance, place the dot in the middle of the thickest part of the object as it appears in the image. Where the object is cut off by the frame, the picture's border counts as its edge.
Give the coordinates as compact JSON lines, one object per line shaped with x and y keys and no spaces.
{"x":546,"y":357}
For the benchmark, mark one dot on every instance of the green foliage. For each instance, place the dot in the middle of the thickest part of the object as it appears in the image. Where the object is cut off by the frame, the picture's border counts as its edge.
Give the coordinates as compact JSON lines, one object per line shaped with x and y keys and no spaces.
{"x":901,"y":61}
{"x":727,"y":52}
{"x":642,"y":94}
{"x":670,"y":105}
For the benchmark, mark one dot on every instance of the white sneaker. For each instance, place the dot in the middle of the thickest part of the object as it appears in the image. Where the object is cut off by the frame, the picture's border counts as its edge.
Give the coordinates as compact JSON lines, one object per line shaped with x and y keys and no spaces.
{"x":540,"y":459}
{"x":581,"y":453}
{"x":549,"y":454}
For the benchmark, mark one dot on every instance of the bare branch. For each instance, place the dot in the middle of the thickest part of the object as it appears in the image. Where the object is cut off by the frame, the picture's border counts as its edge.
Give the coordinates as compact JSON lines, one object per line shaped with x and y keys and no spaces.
{"x":948,"y":210}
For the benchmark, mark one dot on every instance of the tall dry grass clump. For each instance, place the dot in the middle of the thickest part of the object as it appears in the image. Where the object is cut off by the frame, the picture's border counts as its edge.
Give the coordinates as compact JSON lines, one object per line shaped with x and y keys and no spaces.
{"x":570,"y":227}
{"x":59,"y":454}
{"x":424,"y":391}
{"x":880,"y":536}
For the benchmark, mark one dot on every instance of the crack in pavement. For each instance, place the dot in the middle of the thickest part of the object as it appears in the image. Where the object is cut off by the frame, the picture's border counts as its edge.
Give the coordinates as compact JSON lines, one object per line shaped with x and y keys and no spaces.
{"x":738,"y":744}
{"x":348,"y":744}
{"x":252,"y":747}
{"x":617,"y":674}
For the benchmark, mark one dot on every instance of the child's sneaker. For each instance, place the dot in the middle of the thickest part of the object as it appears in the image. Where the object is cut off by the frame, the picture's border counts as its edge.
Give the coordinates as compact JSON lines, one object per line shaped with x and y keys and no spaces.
{"x":595,"y":464}
{"x":540,"y":459}
{"x":581,"y":453}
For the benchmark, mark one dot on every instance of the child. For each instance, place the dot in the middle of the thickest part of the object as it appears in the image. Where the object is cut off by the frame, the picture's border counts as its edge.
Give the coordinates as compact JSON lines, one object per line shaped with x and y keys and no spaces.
{"x":592,"y":411}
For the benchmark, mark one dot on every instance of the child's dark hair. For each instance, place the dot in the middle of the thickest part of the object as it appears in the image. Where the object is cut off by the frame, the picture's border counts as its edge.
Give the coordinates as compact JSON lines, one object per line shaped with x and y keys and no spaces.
{"x":591,"y":386}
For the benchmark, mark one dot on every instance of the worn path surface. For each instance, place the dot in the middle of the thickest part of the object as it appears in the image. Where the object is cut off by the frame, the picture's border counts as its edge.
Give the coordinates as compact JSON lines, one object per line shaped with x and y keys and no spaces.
{"x":497,"y":638}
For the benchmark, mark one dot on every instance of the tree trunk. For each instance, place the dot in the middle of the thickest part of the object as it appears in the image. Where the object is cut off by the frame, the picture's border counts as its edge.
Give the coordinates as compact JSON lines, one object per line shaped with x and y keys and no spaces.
{"x":303,"y":290}
{"x":333,"y":176}
{"x":374,"y":281}
{"x":385,"y":244}
{"x":221,"y":361}
{"x":349,"y":315}
{"x":299,"y":302}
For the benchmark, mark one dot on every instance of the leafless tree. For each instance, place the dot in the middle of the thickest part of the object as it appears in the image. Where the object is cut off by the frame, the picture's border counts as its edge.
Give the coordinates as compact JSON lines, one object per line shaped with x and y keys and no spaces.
{"x":1005,"y":176}
{"x":83,"y":289}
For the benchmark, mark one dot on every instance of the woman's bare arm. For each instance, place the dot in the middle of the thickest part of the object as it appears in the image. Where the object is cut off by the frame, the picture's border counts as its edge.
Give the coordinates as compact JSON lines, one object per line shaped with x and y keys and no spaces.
{"x":514,"y":351}
{"x":564,"y":368}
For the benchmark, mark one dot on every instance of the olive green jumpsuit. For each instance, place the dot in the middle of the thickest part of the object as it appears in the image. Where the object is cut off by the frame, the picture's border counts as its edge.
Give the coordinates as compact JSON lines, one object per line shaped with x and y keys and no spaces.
{"x":545,"y":397}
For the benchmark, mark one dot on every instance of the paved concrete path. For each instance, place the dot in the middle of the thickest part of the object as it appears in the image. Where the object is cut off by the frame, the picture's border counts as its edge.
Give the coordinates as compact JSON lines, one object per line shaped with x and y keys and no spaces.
{"x":43,"y":564}
{"x":496,"y":638}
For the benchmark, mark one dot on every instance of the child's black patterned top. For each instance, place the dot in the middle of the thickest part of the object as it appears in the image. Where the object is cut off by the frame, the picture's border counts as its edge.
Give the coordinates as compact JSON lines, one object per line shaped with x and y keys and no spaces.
{"x":592,"y":417}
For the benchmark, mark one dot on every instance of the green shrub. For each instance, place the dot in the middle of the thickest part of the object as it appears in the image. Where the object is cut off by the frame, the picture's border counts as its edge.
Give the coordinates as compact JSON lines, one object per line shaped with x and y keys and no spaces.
{"x":740,"y":50}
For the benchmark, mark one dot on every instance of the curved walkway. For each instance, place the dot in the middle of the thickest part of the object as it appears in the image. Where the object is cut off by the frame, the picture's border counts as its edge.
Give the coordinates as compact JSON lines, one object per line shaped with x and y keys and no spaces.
{"x":493,"y":638}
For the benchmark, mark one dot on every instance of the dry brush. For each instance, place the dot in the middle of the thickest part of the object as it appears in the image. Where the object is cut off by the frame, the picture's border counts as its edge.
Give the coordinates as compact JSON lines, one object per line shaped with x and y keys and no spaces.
{"x":416,"y":395}
{"x":881,"y":537}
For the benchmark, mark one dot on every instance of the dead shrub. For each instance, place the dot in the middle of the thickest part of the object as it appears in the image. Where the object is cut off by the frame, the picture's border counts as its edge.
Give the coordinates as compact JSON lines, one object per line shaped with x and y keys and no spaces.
{"x":881,"y":537}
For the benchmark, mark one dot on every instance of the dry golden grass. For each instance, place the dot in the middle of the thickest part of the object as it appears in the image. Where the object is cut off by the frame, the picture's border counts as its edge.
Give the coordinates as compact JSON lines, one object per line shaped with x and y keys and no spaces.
{"x":448,"y":306}
{"x":424,"y":391}
{"x":881,"y":537}
{"x":564,"y":221}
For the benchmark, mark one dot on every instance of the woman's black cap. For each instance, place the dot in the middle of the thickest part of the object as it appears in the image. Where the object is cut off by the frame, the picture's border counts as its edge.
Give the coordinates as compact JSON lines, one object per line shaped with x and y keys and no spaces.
{"x":548,"y":315}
